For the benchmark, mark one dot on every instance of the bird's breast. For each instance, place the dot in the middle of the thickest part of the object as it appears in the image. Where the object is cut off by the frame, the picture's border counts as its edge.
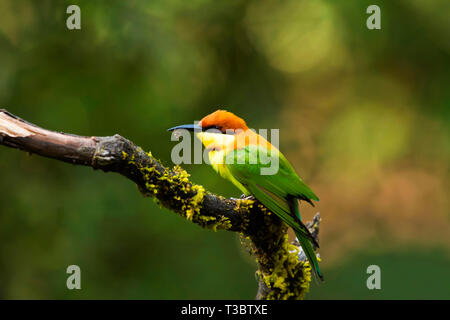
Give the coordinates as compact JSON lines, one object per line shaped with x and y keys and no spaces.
{"x":216,"y":159}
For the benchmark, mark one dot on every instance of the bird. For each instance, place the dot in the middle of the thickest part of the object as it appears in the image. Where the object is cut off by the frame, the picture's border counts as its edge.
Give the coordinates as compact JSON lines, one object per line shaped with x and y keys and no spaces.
{"x":234,"y":152}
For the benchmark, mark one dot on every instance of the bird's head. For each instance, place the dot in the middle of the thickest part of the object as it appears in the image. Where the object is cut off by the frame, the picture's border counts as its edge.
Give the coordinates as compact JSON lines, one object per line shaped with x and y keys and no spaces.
{"x":223,"y":121}
{"x":217,"y":128}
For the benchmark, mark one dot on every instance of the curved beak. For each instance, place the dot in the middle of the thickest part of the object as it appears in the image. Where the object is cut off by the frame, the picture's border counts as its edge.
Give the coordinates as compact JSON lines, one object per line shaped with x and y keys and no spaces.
{"x":190,"y":127}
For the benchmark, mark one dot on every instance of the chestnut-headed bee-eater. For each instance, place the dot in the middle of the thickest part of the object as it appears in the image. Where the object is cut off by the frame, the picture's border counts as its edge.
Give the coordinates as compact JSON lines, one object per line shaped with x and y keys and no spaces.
{"x":235,"y":151}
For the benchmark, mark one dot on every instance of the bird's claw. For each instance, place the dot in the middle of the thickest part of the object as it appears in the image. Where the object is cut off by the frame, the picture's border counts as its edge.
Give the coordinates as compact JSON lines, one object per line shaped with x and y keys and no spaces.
{"x":244,"y":197}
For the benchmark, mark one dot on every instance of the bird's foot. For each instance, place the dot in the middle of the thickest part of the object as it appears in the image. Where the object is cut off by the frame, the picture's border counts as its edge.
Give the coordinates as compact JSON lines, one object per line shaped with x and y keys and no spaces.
{"x":244,"y":197}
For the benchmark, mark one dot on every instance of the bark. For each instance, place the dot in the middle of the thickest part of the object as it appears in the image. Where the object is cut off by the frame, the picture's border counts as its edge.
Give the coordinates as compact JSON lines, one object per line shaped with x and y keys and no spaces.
{"x":282,"y":271}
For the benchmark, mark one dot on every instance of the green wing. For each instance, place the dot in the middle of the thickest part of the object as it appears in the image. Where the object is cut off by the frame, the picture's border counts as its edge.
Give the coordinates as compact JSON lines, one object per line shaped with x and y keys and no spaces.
{"x":247,"y":166}
{"x":271,"y":190}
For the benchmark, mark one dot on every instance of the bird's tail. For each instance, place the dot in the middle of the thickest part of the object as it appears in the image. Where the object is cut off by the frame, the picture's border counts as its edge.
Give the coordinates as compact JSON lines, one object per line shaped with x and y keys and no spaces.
{"x":305,"y":242}
{"x":310,"y":254}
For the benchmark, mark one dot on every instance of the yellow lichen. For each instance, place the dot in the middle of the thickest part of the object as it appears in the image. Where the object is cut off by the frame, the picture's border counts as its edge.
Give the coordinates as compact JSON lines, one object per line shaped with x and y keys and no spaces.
{"x":194,"y":204}
{"x":224,"y":223}
{"x":289,"y":278}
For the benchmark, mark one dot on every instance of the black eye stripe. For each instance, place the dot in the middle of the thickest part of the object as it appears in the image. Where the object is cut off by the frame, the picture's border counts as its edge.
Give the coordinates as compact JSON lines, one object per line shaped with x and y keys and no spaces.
{"x":218,"y":128}
{"x":212,"y":127}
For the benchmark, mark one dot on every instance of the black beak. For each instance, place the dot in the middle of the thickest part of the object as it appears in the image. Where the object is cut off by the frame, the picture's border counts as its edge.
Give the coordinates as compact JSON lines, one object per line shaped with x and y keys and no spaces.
{"x":190,"y":127}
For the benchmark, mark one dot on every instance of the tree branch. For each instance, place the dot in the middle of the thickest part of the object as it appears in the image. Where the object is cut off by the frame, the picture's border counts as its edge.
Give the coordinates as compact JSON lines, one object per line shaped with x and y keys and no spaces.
{"x":283,"y":274}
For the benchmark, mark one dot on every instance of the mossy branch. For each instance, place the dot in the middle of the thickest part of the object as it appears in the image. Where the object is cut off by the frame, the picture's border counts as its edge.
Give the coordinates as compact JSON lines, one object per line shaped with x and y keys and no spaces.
{"x":281,"y":271}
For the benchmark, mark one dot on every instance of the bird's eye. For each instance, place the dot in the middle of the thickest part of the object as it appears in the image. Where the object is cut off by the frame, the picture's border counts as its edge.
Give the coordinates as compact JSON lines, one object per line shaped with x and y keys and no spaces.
{"x":213,"y":127}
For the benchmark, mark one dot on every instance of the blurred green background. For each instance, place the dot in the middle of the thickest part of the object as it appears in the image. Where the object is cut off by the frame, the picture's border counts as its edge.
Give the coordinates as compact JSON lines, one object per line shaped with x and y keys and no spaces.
{"x":363,"y":117}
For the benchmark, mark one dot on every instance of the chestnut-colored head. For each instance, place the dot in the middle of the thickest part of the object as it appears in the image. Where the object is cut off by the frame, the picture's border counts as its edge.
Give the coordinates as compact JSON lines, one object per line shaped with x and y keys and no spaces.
{"x":223,"y":120}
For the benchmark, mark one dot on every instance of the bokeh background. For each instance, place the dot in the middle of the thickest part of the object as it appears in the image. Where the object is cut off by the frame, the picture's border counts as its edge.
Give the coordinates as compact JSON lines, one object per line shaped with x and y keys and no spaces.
{"x":363,"y":117}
